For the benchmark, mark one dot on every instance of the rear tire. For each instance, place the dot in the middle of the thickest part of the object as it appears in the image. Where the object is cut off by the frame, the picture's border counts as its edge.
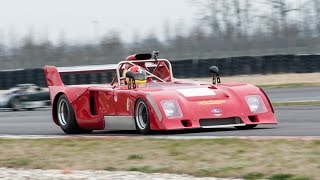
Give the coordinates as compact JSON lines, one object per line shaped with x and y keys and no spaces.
{"x":142,"y":116}
{"x":66,"y":117}
{"x":248,"y":126}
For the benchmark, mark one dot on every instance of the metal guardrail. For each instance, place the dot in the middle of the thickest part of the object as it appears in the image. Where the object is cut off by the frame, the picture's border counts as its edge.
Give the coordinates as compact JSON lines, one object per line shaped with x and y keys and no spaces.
{"x":182,"y":69}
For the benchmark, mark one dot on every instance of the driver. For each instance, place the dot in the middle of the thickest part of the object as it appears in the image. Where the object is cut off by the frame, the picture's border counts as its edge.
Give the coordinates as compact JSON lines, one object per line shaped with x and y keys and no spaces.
{"x":140,"y":75}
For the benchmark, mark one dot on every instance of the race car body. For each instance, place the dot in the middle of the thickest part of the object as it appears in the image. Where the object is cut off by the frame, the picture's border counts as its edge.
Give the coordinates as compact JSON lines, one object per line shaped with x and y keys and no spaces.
{"x":25,"y":96}
{"x":162,"y":103}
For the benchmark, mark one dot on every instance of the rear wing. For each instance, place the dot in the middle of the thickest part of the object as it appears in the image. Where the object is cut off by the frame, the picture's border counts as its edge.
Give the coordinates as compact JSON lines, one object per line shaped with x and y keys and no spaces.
{"x":86,"y":69}
{"x":53,"y":74}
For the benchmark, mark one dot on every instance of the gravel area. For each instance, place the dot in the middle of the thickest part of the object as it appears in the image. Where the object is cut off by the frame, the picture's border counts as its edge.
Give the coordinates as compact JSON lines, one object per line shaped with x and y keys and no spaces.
{"x":29,"y":174}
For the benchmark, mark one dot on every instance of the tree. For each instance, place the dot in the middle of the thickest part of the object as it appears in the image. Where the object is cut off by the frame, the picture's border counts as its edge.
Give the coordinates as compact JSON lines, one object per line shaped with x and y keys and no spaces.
{"x":316,"y":5}
{"x":111,"y":44}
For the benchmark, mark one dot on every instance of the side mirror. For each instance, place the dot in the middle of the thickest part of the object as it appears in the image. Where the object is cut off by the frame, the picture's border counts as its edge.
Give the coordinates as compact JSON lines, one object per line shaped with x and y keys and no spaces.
{"x":214,"y":69}
{"x":155,"y":54}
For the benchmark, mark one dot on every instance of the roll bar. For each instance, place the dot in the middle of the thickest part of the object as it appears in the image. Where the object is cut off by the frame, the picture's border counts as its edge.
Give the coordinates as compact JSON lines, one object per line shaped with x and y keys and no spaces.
{"x":149,"y":74}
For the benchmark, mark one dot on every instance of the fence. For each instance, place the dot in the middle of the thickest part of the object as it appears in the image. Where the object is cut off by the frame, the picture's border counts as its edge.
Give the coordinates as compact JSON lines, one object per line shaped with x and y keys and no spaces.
{"x":183,"y":69}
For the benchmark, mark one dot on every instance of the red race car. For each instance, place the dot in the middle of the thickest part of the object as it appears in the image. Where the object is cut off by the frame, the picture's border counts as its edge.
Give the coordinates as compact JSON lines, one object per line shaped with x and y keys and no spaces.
{"x":145,"y":96}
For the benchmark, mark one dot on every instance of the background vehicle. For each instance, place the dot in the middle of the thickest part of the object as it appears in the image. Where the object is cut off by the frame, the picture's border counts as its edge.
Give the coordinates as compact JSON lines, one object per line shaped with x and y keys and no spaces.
{"x":25,"y":96}
{"x":163,"y":103}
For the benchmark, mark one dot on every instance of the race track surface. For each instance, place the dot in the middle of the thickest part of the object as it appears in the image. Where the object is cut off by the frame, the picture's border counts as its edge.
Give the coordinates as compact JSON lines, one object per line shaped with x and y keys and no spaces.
{"x":294,"y":94}
{"x":293,"y":121}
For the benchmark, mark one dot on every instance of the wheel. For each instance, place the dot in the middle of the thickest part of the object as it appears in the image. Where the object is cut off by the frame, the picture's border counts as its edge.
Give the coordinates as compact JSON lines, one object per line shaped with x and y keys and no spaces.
{"x":66,"y":117}
{"x":248,"y":126}
{"x":16,"y":104}
{"x":142,"y":116}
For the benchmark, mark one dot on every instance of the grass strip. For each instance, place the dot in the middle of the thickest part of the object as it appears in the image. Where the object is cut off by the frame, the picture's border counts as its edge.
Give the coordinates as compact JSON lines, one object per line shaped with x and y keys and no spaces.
{"x":289,"y":85}
{"x":297,"y":103}
{"x":225,"y":157}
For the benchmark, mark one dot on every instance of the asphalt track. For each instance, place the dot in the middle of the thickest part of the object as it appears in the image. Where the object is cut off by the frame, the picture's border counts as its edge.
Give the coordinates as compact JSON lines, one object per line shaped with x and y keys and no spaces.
{"x":293,"y":121}
{"x":294,"y":94}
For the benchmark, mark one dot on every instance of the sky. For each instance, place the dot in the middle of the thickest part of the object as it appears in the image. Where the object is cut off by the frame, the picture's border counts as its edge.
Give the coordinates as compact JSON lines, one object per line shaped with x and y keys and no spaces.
{"x":87,"y":20}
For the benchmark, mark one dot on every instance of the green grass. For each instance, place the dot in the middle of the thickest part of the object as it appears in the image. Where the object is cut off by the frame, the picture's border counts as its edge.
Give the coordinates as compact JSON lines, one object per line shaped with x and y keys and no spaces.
{"x":135,"y":156}
{"x":145,"y":169}
{"x":225,"y":157}
{"x":254,"y":176}
{"x":289,"y":85}
{"x":297,"y":103}
{"x":19,"y":162}
{"x":281,"y":177}
{"x":109,"y":168}
{"x":287,"y":177}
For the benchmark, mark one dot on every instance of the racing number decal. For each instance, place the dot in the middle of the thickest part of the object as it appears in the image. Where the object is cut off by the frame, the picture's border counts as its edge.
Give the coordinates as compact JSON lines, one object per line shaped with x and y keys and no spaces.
{"x":128,"y":104}
{"x":115,"y":97}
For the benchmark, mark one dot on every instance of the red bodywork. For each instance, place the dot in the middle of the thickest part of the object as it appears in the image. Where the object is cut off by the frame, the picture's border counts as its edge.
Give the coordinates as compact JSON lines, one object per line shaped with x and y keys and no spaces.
{"x":202,"y":105}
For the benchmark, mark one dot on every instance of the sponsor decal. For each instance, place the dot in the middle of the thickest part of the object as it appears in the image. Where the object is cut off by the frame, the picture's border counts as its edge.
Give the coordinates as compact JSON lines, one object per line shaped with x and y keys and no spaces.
{"x":128,"y":104}
{"x":216,"y":111}
{"x":210,"y":102}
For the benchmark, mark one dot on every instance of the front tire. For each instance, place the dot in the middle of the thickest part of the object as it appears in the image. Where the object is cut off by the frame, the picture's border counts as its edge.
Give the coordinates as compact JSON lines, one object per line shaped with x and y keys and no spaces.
{"x":66,"y":117}
{"x":246,"y":127}
{"x":142,"y":116}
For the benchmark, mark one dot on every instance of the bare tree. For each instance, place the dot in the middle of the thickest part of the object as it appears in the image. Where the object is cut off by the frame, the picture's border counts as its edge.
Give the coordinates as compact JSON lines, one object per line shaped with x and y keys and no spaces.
{"x":282,"y":9}
{"x":111,"y":44}
{"x":238,"y":13}
{"x":2,"y":46}
{"x":316,"y":5}
{"x":209,"y":13}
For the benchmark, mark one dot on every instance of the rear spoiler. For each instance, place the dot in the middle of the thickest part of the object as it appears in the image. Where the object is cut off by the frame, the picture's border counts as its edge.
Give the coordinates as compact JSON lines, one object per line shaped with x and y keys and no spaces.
{"x":85,"y":69}
{"x":53,"y":77}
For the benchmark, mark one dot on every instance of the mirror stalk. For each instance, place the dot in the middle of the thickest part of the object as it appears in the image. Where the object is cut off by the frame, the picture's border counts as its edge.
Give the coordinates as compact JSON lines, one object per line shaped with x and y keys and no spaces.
{"x":214,"y":70}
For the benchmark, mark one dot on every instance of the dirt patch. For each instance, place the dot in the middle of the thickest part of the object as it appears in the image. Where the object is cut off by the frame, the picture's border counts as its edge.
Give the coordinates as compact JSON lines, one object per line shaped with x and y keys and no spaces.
{"x":200,"y":157}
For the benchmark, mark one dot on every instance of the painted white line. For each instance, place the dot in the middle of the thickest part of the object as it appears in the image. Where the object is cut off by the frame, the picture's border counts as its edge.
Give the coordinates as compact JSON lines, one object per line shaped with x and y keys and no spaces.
{"x":239,"y":137}
{"x":296,"y":101}
{"x":66,"y":173}
{"x":4,"y":136}
{"x":7,"y":136}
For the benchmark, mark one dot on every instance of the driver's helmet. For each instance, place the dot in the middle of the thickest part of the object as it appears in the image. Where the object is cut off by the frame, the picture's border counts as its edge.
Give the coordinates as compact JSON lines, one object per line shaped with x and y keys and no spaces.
{"x":140,"y":75}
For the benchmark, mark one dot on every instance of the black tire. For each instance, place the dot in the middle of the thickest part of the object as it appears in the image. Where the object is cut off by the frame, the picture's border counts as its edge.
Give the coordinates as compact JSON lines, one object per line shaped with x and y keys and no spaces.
{"x":142,"y":116}
{"x":248,"y":126}
{"x":66,"y":117}
{"x":15,"y":104}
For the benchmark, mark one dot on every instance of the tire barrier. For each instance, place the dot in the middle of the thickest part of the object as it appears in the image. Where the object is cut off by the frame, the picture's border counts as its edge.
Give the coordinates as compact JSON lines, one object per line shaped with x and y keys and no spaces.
{"x":182,"y":69}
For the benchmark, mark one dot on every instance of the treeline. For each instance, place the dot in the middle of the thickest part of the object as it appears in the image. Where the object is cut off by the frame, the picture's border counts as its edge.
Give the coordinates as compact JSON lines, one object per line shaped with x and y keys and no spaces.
{"x":222,"y":28}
